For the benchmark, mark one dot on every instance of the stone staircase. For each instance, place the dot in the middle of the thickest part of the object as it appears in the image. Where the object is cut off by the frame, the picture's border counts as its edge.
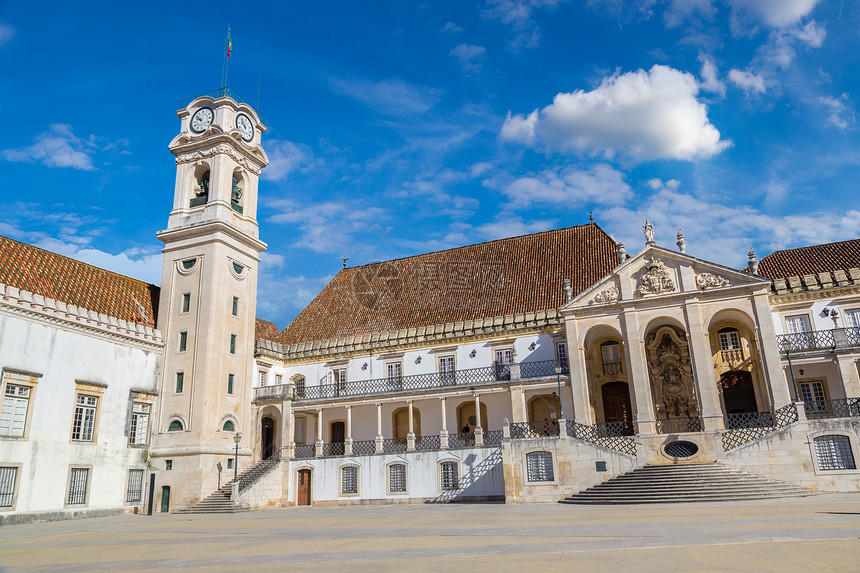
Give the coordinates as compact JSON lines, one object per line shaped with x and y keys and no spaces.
{"x":687,"y":483}
{"x":220,"y":502}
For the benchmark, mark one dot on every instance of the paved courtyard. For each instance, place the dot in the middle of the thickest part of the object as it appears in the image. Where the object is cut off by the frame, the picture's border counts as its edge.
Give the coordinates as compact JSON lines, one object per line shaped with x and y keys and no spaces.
{"x":819,"y":533}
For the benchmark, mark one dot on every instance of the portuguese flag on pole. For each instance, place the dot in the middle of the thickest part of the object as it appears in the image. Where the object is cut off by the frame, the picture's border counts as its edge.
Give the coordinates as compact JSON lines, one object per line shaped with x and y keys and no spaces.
{"x":229,"y":43}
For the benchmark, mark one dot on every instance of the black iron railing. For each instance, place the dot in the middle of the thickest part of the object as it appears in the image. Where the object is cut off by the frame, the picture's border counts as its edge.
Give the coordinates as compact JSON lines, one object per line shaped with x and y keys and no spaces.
{"x":427,"y":443}
{"x":597,"y":435}
{"x":679,"y":425}
{"x":303,"y":451}
{"x":363,"y":447}
{"x":493,"y":438}
{"x":834,"y":339}
{"x":607,"y":429}
{"x":748,"y":426}
{"x":525,"y":430}
{"x":842,"y":408}
{"x":394,"y":445}
{"x":462,"y":440}
{"x":334,"y":449}
{"x":256,"y":472}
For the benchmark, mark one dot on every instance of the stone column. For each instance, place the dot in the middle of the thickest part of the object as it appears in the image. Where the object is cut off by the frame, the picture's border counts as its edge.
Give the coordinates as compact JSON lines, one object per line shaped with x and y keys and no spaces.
{"x":775,"y":378}
{"x":319,"y":442}
{"x":578,"y":374}
{"x":347,"y":442}
{"x":379,"y":428}
{"x":848,"y":372}
{"x":637,"y":369}
{"x":699,"y":346}
{"x":288,"y":432}
{"x":443,"y":434}
{"x":518,"y":410}
{"x":410,"y":436}
{"x":479,"y":431}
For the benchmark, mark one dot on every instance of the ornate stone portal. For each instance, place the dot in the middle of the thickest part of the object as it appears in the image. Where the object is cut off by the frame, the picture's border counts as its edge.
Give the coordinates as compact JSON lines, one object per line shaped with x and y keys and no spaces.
{"x":671,"y":374}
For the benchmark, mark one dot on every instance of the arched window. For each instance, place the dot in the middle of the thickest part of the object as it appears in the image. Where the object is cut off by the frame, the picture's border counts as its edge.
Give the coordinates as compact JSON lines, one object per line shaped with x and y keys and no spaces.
{"x":299,"y":382}
{"x":236,"y":192}
{"x":539,"y":466}
{"x":730,"y":338}
{"x":397,"y":478}
{"x":610,"y":353}
{"x":228,"y":426}
{"x":834,"y":452}
{"x":201,"y":187}
{"x":175,"y":426}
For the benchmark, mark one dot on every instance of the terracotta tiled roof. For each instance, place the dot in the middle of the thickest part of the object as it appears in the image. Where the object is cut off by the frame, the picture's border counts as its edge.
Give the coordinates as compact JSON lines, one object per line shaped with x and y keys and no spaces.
{"x":266,"y":330}
{"x":66,"y":280}
{"x":503,"y":277}
{"x":811,"y":260}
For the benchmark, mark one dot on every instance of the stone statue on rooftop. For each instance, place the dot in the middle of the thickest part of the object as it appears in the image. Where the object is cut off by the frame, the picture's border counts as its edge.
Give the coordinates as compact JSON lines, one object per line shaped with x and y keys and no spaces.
{"x":648,"y":229}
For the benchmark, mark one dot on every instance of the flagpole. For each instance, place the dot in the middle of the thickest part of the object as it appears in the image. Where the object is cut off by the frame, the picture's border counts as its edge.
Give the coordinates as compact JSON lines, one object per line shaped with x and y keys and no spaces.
{"x":227,"y":63}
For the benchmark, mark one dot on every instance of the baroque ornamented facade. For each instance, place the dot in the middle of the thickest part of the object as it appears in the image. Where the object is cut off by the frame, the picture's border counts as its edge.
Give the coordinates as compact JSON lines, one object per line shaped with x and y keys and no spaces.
{"x":523,"y":369}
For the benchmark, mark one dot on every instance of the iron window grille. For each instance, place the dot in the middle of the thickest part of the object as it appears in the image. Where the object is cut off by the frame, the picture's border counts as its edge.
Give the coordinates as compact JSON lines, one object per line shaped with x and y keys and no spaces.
{"x":397,"y":478}
{"x":85,"y":418}
{"x":349,"y":480}
{"x":450,"y":476}
{"x":7,"y":485}
{"x":834,"y":453}
{"x":78,"y":486}
{"x":134,"y":493}
{"x":539,"y":466}
{"x":13,"y":418}
{"x":137,"y":433}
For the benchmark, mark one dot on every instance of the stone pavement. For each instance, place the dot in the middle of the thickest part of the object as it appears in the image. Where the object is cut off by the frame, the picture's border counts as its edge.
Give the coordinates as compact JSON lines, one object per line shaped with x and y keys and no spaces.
{"x":820,"y":533}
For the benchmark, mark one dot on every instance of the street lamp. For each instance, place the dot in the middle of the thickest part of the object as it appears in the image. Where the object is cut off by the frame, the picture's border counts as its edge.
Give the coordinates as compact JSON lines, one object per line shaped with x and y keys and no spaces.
{"x":237,"y":437}
{"x":786,"y":347}
{"x":558,"y":380}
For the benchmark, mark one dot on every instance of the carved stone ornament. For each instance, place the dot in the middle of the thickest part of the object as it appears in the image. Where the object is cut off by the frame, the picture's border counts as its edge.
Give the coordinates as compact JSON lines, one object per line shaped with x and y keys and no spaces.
{"x":218,"y":150}
{"x":609,"y":295}
{"x":671,"y":373}
{"x":708,"y":280}
{"x":656,"y":279}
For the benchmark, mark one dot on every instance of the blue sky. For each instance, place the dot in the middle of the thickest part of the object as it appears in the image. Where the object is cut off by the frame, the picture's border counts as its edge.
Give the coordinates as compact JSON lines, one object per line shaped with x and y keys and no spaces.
{"x":397,"y":128}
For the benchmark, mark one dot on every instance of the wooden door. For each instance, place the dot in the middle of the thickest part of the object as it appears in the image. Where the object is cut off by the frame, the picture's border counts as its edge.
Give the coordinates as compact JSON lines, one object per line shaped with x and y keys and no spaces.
{"x":268,"y":438}
{"x":616,"y":405}
{"x":337,"y":435}
{"x":303,"y":495}
{"x":165,"y":499}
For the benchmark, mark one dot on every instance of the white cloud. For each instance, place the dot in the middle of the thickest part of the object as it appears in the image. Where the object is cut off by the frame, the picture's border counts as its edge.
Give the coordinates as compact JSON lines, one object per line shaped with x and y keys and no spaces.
{"x":569,"y":187}
{"x":284,"y":158}
{"x":451,"y":28}
{"x":839,"y":111}
{"x":680,"y":11}
{"x":57,"y":147}
{"x":469,"y":55}
{"x":7,"y":32}
{"x":391,"y":97}
{"x":710,"y":77}
{"x":641,"y":115}
{"x":508,"y":225}
{"x":519,"y":15}
{"x":773,"y":13}
{"x":747,"y":81}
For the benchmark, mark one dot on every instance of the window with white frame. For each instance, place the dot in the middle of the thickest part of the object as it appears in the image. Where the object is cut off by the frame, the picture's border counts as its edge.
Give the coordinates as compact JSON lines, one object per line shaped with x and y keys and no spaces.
{"x":78,"y":478}
{"x":7,"y":485}
{"x":539,"y":466}
{"x":730,"y":339}
{"x":797,"y":324}
{"x":279,"y":379}
{"x":397,"y":478}
{"x":813,"y":396}
{"x":263,"y":375}
{"x":561,"y":352}
{"x":504,"y":357}
{"x":338,"y":378}
{"x":300,"y":429}
{"x":137,"y":431}
{"x":834,"y":452}
{"x":84,"y":423}
{"x":299,"y":382}
{"x":348,"y":480}
{"x":13,"y":418}
{"x":394,"y":374}
{"x":447,"y":369}
{"x":852,"y":318}
{"x":449,"y":477}
{"x":134,"y":491}
{"x":610,"y":354}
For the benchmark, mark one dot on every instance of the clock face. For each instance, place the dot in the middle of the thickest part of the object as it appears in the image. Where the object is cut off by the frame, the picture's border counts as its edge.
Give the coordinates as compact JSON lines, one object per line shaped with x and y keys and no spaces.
{"x":243,"y":122}
{"x":201,"y":119}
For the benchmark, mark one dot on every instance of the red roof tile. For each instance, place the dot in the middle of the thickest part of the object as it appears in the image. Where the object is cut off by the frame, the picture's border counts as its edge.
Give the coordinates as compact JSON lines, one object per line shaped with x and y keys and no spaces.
{"x":266,"y":330}
{"x":66,"y":280}
{"x":502,"y":277}
{"x":811,"y":260}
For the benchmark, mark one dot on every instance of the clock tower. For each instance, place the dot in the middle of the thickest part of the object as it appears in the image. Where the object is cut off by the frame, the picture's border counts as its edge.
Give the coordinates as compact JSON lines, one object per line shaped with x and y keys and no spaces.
{"x":208,"y":299}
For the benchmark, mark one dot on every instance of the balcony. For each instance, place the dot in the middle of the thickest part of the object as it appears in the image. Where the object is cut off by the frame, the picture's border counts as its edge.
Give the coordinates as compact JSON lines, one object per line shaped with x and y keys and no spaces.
{"x":486,"y":375}
{"x":822,"y":340}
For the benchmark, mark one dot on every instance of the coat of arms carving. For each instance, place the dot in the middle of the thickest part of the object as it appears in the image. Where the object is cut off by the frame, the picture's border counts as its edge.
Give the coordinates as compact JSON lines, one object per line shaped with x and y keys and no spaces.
{"x":656,"y":279}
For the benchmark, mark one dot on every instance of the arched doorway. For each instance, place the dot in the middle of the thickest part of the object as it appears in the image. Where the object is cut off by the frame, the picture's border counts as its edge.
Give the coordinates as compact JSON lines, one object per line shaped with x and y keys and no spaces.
{"x":545,"y":408}
{"x":267,"y":437}
{"x":303,"y":491}
{"x":738,"y":392}
{"x":466,"y":417}
{"x":616,"y":406}
{"x":400,"y":423}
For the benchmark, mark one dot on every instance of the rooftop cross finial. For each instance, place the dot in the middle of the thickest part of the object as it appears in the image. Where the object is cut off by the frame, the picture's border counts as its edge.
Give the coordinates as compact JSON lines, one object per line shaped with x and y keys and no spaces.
{"x":648,"y":229}
{"x":345,"y":258}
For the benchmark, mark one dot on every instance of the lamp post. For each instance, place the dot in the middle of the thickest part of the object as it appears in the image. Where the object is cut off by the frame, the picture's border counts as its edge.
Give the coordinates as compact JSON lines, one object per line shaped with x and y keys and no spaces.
{"x":558,"y":380}
{"x":786,"y":347}
{"x":237,"y":437}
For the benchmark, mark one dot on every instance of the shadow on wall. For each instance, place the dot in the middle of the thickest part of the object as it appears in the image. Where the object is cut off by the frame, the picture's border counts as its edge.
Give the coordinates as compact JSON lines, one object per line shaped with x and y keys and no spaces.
{"x":471,"y":485}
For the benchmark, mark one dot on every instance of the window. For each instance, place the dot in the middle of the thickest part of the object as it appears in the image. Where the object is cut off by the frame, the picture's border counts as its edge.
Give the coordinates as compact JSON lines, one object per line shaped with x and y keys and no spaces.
{"x":228,"y":426}
{"x":504,"y":358}
{"x":729,"y":339}
{"x":235,"y":306}
{"x":186,"y":302}
{"x":168,"y":465}
{"x":610,"y":354}
{"x":339,"y":378}
{"x":183,"y":341}
{"x":348,"y":480}
{"x":180,"y":380}
{"x":561,"y":352}
{"x":232,"y":344}
{"x":229,"y":463}
{"x":447,"y":371}
{"x":397,"y":478}
{"x":797,"y":324}
{"x":299,"y":430}
{"x":85,"y":418}
{"x":279,"y":379}
{"x":539,"y":466}
{"x":175,"y":426}
{"x":78,"y":478}
{"x":230,"y":383}
{"x":7,"y":485}
{"x":134,"y":493}
{"x":852,"y":318}
{"x":813,"y":396}
{"x":139,"y":424}
{"x":834,"y":453}
{"x":13,"y":419}
{"x":263,"y":377}
{"x":188,"y":264}
{"x":449,"y":476}
{"x":299,"y":381}
{"x":394,"y":374}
